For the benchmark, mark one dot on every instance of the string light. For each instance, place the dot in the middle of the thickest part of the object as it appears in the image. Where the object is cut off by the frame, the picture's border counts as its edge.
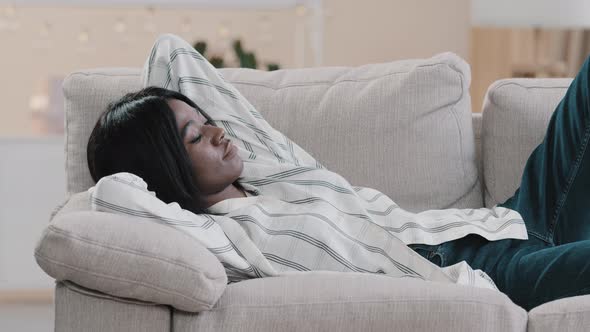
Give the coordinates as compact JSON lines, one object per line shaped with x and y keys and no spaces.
{"x":120,"y":26}
{"x":39,"y":102}
{"x":149,"y":25}
{"x":10,"y":22}
{"x":10,"y":11}
{"x":45,"y":29}
{"x":43,"y":41}
{"x":223,"y":31}
{"x":264,"y":22}
{"x":265,"y":34}
{"x":185,"y":25}
{"x":300,"y":10}
{"x":83,"y":36}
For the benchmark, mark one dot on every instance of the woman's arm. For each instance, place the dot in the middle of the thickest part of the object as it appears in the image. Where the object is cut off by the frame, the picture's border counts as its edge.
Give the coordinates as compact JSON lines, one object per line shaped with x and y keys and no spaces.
{"x":174,"y":64}
{"x":127,"y":194}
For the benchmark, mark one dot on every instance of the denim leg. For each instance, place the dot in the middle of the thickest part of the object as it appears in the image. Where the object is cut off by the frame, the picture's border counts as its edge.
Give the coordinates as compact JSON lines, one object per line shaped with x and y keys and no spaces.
{"x":534,"y":276}
{"x":554,"y":201}
{"x":531,"y":272}
{"x":554,"y":193}
{"x":430,"y":252}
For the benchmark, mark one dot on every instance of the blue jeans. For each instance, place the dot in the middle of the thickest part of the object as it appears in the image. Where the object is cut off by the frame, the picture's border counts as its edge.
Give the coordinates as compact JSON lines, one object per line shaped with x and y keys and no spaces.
{"x":554,"y":201}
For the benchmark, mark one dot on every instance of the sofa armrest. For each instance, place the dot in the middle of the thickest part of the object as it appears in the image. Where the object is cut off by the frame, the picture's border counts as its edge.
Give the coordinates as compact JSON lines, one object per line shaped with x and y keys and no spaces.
{"x":73,"y":304}
{"x":131,"y":257}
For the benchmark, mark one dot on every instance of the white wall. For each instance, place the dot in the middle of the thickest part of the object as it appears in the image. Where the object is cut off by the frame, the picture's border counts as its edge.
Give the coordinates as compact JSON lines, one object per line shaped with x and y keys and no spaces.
{"x":32,"y":184}
{"x":370,"y":31}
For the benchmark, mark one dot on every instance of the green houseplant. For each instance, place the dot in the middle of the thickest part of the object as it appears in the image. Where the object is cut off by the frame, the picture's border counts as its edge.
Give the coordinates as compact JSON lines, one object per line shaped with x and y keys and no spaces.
{"x":246,"y":59}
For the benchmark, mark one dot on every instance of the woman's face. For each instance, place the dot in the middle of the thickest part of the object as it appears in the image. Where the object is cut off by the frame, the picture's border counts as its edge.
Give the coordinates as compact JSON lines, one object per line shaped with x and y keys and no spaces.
{"x":216,"y":164}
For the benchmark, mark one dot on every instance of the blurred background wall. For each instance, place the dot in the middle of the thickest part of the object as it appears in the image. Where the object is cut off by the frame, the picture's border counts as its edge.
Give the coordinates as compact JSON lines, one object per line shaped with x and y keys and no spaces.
{"x":42,"y":44}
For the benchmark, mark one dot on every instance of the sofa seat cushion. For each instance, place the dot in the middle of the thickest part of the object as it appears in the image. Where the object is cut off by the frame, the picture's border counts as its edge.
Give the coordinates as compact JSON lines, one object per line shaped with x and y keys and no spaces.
{"x":335,"y":301}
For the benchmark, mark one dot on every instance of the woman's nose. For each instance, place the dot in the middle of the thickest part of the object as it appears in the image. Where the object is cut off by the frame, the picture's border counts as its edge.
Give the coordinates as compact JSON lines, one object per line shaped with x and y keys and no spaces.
{"x":217,"y":135}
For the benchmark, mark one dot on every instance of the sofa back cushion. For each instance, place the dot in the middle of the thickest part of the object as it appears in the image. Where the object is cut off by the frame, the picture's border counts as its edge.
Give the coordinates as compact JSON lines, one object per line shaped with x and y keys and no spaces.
{"x":515,"y":118}
{"x":87,"y":94}
{"x":404,"y":127}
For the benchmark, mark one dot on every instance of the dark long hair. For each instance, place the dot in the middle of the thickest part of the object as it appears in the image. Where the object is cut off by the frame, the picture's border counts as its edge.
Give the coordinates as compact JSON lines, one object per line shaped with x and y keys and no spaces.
{"x":138,"y":134}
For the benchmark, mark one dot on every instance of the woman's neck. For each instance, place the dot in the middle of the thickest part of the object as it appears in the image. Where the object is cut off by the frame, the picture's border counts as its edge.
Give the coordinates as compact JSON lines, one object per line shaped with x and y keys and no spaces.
{"x":231,"y":191}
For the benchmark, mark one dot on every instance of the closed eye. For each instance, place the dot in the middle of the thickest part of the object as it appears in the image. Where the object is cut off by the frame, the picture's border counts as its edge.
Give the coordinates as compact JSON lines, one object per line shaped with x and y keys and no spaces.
{"x":198,"y":137}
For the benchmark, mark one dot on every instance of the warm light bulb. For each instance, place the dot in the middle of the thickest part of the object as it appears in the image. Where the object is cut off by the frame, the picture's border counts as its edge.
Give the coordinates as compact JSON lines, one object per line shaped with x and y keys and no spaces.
{"x":83,"y":36}
{"x":186,"y":24}
{"x":10,"y":21}
{"x":264,"y":22}
{"x":149,"y":25}
{"x":10,"y":11}
{"x":300,"y":10}
{"x":120,"y":26}
{"x":39,"y":103}
{"x":45,"y":29}
{"x":223,"y":31}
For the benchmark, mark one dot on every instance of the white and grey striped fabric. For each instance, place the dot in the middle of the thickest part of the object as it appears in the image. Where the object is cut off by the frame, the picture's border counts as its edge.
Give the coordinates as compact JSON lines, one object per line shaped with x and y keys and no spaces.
{"x":299,"y":216}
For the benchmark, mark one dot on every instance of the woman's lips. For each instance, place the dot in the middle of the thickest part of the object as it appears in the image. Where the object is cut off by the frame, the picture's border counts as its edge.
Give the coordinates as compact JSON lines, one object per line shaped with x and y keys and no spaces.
{"x":230,"y":150}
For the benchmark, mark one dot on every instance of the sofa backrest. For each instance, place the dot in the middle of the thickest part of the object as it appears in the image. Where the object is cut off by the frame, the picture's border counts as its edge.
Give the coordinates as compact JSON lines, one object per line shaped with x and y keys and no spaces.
{"x":404,"y":128}
{"x":516,"y":114}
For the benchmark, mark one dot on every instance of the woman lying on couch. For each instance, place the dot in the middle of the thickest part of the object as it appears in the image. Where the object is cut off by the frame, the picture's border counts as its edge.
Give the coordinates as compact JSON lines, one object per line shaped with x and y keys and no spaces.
{"x":218,"y":171}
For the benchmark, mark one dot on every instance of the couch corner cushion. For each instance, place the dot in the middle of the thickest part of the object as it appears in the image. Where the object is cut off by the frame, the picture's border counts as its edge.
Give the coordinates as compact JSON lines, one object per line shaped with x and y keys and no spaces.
{"x":568,"y":314}
{"x":130,"y":257}
{"x":516,"y":113}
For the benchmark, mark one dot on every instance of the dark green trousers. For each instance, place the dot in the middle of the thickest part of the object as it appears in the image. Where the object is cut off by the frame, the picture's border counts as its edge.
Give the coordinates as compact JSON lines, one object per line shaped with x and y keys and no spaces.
{"x":554,"y":201}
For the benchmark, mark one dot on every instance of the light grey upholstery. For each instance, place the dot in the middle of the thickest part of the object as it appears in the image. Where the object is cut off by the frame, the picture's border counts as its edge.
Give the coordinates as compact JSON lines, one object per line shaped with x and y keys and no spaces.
{"x":515,"y":118}
{"x":396,"y":125}
{"x":395,"y":120}
{"x":86,"y":96}
{"x":78,"y":309}
{"x":571,"y":314}
{"x":131,"y":257}
{"x":331,"y":301}
{"x":445,"y":141}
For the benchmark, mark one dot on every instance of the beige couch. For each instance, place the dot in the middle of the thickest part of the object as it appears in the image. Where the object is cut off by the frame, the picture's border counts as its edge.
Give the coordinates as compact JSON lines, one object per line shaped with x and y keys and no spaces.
{"x":412,"y":124}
